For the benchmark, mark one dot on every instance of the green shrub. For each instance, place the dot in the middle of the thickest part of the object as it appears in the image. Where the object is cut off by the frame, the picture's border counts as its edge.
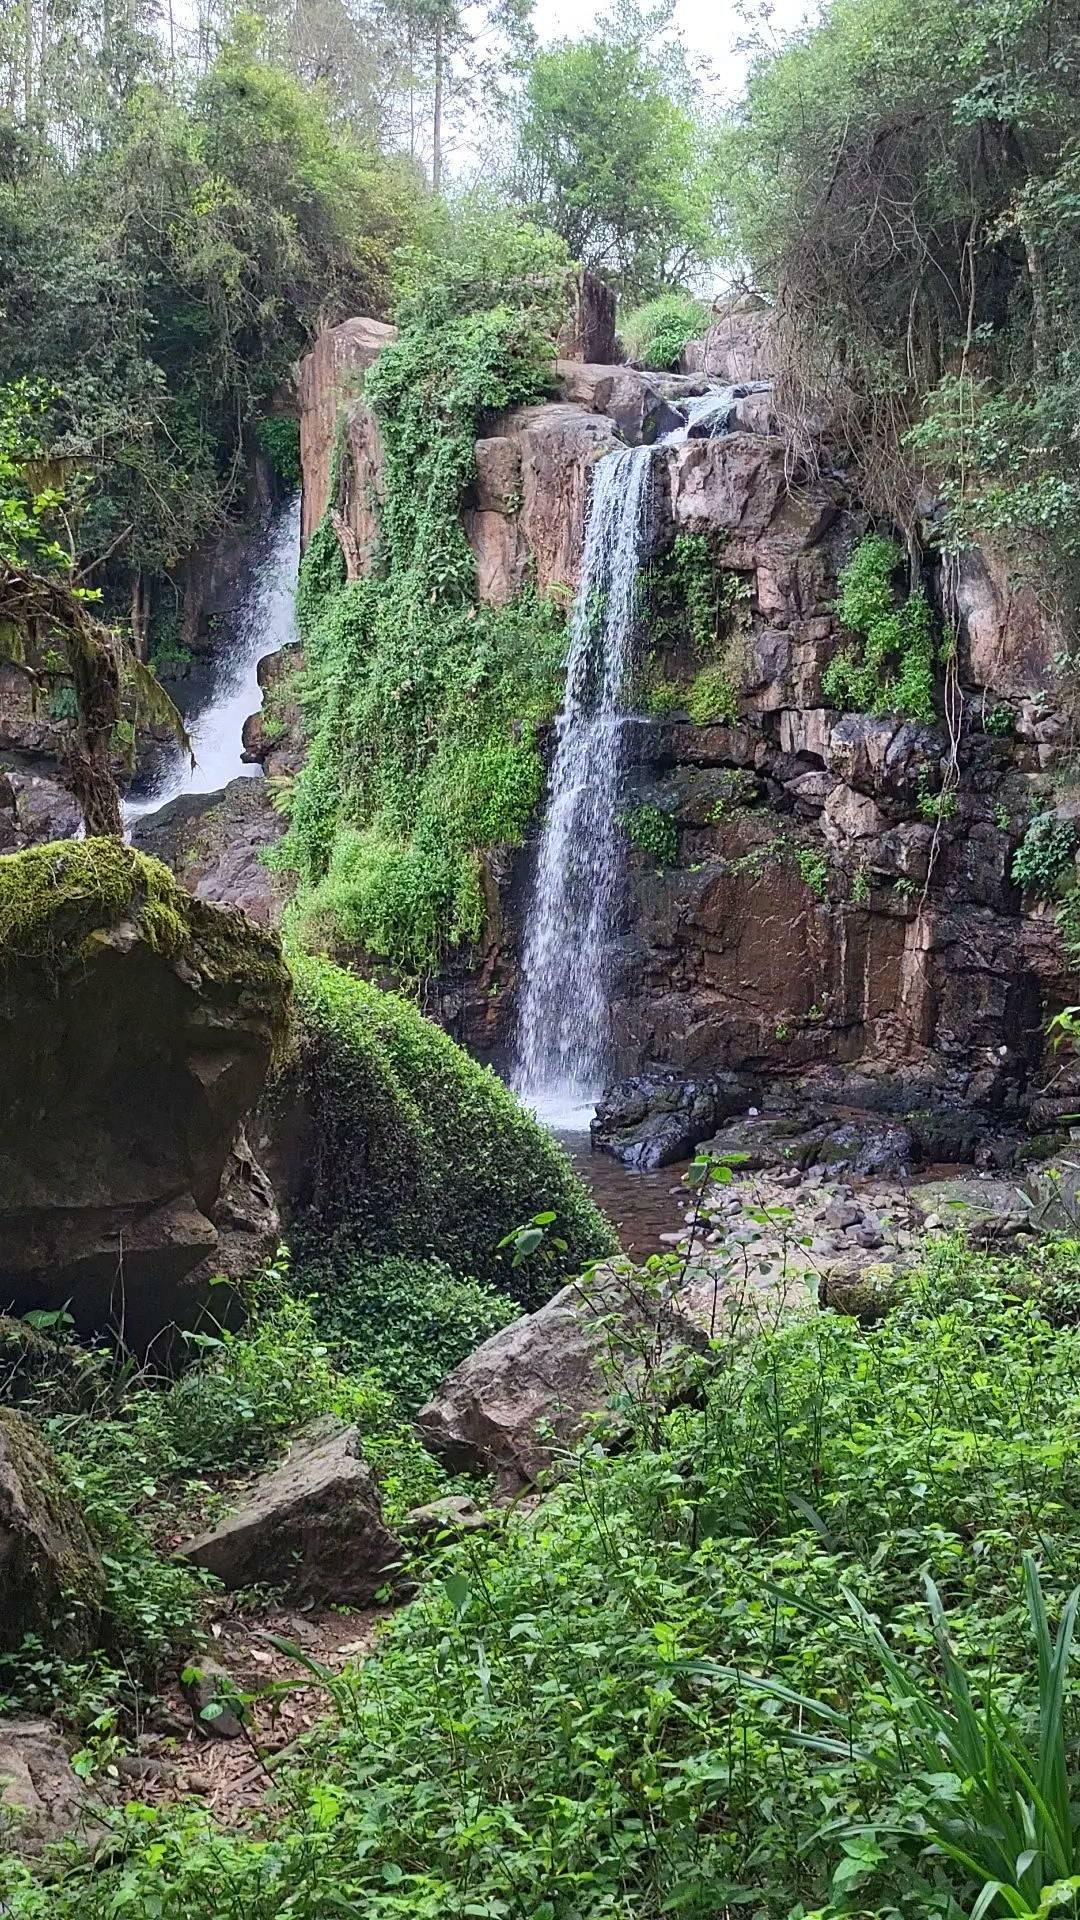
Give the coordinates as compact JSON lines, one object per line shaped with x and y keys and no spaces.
{"x":279,"y":437}
{"x":656,"y":333}
{"x":664,"y":697}
{"x":650,"y":829}
{"x":712,"y":697}
{"x":412,"y":1320}
{"x":569,"y":1721}
{"x":417,"y":1150}
{"x":892,"y":671}
{"x":814,"y":870}
{"x":1046,"y":854}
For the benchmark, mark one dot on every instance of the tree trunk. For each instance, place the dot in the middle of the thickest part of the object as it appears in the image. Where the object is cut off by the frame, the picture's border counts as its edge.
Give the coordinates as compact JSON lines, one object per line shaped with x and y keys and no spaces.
{"x":98,"y":696}
{"x":436,"y":146}
{"x":140,"y":613}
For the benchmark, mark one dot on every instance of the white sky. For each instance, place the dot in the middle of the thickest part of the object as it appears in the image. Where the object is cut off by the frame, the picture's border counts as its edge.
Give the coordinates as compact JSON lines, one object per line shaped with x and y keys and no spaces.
{"x":711,"y":28}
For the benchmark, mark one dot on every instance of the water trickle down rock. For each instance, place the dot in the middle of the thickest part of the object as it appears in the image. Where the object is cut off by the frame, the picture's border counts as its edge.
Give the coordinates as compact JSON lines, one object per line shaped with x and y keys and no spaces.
{"x":564,"y":1029}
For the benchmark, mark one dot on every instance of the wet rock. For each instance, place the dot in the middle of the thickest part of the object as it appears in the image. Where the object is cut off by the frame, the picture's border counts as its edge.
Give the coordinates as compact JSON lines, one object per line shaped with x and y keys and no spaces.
{"x":628,"y":398}
{"x":529,"y":1388}
{"x":869,"y":1149}
{"x":657,"y":1120}
{"x":42,"y":1799}
{"x":946,"y":1133}
{"x":313,"y":1526}
{"x":34,"y":806}
{"x":760,"y":1140}
{"x":52,"y":1583}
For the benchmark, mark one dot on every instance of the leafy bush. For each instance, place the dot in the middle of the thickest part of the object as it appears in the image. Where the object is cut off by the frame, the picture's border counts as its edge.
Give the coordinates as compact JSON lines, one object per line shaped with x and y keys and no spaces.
{"x":814,"y":870}
{"x":1046,"y":854}
{"x":650,"y":829}
{"x":417,"y":1150}
{"x":893,"y":670}
{"x":664,"y":697}
{"x":656,"y":333}
{"x":570,"y":1721}
{"x":712,"y":697}
{"x":412,"y":1320}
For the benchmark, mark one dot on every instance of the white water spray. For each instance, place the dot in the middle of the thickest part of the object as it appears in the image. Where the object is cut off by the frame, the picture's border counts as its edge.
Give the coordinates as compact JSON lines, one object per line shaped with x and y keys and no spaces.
{"x":564,"y":1037}
{"x":265,"y":622}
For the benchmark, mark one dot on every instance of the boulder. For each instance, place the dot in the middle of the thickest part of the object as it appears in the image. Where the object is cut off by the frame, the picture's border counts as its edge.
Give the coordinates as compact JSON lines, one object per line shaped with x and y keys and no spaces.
{"x":529,"y":1389}
{"x":865,"y":1290}
{"x":214,"y":844}
{"x":659,"y":1119}
{"x":34,"y":806}
{"x":137,"y":1029}
{"x":51,"y":1579}
{"x":313,"y":1525}
{"x":739,"y":345}
{"x":42,"y":1799}
{"x":628,"y":398}
{"x":767,"y":1140}
{"x":946,"y":1133}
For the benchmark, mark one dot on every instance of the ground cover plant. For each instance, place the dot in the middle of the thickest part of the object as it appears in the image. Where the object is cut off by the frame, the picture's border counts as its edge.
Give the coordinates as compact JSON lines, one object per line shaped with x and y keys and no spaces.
{"x":602,"y":1711}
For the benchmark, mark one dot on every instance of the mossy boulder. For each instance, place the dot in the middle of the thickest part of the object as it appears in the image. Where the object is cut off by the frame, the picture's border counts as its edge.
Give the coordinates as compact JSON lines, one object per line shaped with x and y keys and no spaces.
{"x":51,"y":1580}
{"x":393,"y":1141}
{"x":137,"y":1029}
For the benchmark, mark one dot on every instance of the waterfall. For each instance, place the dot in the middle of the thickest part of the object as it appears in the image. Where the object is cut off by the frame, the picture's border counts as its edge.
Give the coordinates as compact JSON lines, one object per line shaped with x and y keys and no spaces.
{"x":563,"y":1040}
{"x":264,"y":622}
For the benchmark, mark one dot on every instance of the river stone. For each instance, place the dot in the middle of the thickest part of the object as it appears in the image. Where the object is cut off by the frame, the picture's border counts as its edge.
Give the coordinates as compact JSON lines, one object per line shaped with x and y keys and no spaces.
{"x":657,"y":1120}
{"x":42,"y":1799}
{"x":52,"y":1583}
{"x":313,"y":1525}
{"x":137,"y":1028}
{"x":529,"y":1389}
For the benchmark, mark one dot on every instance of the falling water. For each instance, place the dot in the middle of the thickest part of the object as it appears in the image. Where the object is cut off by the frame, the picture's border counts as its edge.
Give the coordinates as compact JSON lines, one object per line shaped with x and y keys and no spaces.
{"x":264,"y":623}
{"x":564,"y":1022}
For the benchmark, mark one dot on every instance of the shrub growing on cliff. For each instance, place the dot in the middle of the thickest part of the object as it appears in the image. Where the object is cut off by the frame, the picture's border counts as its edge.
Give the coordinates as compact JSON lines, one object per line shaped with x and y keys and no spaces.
{"x":417,"y":1150}
{"x":656,"y":333}
{"x":892,"y":670}
{"x":422,"y":705}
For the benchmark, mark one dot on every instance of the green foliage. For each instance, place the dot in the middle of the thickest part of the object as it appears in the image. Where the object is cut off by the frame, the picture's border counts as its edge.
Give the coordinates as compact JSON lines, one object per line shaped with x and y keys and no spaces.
{"x":615,"y":156}
{"x":279,"y":437}
{"x":422,"y":706}
{"x":665,"y":697}
{"x":412,"y":1319}
{"x":418,"y":1151}
{"x":163,"y":272}
{"x":1046,"y":854}
{"x":711,"y":697}
{"x":814,"y":870}
{"x":999,"y":719}
{"x":651,"y":830}
{"x":893,"y":669}
{"x":609,"y":1705}
{"x":656,"y":333}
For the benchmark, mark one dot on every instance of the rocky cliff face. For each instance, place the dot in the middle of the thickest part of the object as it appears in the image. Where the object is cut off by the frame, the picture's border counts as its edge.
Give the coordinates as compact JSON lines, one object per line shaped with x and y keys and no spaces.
{"x":814,"y":903}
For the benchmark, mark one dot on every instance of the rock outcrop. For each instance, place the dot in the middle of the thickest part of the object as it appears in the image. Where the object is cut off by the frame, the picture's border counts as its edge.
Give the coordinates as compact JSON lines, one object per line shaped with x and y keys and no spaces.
{"x":529,"y":1389}
{"x":214,"y":843}
{"x":42,"y":1799}
{"x":51,"y":1579}
{"x":313,"y":1526}
{"x":840,"y":888}
{"x":137,"y":1028}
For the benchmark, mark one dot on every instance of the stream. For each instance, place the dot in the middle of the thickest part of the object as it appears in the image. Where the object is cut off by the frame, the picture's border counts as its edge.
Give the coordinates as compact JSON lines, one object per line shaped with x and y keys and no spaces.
{"x":222,"y":691}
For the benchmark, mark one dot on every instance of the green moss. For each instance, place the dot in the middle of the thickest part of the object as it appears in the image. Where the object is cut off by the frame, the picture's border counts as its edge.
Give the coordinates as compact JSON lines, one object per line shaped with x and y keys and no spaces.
{"x":891,"y":669}
{"x":415,"y":1149}
{"x":712,"y":697}
{"x":53,"y":1580}
{"x":59,"y":901}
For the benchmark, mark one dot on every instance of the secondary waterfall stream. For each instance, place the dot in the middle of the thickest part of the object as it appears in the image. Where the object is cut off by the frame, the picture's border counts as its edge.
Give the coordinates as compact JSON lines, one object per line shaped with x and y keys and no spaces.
{"x":564,"y":1037}
{"x":264,"y":622}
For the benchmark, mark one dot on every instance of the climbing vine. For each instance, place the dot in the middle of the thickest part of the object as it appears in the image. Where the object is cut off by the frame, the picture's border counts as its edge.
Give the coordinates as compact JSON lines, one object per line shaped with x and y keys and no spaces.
{"x":422,"y":705}
{"x":688,"y":598}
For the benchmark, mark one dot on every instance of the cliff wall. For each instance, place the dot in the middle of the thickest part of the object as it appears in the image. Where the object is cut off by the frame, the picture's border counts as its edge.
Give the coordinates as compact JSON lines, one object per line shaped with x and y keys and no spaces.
{"x":818,"y":903}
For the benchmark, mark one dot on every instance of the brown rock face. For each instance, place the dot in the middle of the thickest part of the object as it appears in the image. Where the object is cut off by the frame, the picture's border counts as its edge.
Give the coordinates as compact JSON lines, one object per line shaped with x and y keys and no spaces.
{"x":328,"y":375}
{"x":313,"y":1525}
{"x":739,"y":345}
{"x":51,"y":1580}
{"x":137,"y":1027}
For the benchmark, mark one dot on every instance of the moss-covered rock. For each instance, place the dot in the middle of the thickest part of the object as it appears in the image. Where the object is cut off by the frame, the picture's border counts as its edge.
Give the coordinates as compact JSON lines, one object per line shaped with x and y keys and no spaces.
{"x":137,"y":1028}
{"x":51,"y":1580}
{"x":396,"y":1142}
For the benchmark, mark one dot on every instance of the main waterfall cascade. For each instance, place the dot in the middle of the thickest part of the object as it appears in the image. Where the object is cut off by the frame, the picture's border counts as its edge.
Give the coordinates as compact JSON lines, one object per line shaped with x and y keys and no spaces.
{"x":564,"y":1034}
{"x":264,"y":623}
